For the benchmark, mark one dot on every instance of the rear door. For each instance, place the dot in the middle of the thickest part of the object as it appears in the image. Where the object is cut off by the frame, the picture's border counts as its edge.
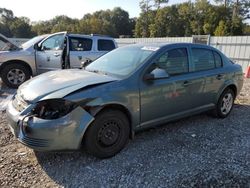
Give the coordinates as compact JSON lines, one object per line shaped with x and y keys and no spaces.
{"x":208,"y":63}
{"x":80,"y":49}
{"x":48,"y":55}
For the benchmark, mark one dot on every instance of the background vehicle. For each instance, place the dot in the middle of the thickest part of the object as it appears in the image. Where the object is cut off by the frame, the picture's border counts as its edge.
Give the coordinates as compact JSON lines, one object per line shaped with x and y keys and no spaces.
{"x":126,"y":90}
{"x":50,"y":52}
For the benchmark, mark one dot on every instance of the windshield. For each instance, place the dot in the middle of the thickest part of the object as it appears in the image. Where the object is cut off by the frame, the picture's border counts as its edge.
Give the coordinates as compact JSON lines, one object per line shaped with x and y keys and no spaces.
{"x":121,"y":62}
{"x":32,"y":41}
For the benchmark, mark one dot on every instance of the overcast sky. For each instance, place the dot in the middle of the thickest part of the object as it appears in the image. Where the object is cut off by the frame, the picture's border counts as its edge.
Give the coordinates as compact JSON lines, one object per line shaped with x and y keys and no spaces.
{"x":47,"y":9}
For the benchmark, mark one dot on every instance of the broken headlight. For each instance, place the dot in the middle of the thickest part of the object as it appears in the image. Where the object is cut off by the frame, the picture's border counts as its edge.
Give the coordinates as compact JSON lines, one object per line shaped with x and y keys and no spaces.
{"x":53,"y":108}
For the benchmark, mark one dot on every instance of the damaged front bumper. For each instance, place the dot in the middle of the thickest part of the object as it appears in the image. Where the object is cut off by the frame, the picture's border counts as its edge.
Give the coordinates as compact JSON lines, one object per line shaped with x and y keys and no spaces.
{"x":65,"y":133}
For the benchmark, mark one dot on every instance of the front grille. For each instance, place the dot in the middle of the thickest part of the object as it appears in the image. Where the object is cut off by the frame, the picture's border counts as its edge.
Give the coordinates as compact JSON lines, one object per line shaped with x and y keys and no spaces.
{"x":19,"y":104}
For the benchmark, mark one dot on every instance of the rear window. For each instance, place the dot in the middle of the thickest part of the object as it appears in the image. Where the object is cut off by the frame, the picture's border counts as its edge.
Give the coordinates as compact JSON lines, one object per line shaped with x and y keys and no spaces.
{"x":217,"y":59}
{"x":203,"y":59}
{"x":105,"y":45}
{"x":80,"y":44}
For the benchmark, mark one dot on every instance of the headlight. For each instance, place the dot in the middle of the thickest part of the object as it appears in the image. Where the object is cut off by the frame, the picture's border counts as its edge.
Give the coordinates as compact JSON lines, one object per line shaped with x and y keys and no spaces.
{"x":53,"y":108}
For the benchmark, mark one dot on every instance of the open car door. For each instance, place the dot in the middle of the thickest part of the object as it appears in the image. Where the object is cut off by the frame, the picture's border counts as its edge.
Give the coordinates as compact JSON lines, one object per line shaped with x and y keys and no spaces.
{"x":49,"y":52}
{"x":65,"y":59}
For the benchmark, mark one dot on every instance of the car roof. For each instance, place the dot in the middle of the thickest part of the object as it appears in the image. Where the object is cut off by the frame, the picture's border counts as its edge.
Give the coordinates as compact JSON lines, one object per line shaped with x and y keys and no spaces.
{"x":173,"y":44}
{"x":90,"y":36}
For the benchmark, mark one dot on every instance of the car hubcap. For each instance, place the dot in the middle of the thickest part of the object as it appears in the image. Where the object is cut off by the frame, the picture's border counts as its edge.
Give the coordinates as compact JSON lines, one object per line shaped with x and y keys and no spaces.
{"x":109,"y":133}
{"x":16,"y":76}
{"x":227,"y":103}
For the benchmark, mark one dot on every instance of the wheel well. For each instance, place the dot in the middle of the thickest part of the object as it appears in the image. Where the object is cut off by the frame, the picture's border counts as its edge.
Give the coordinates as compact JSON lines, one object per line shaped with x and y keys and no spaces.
{"x":16,"y":62}
{"x":234,"y":88}
{"x":122,"y":109}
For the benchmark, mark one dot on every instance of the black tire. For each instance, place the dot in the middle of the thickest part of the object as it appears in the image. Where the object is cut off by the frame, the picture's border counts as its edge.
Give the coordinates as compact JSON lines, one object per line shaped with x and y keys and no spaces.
{"x":108,"y":134}
{"x":14,"y":74}
{"x":225,"y":104}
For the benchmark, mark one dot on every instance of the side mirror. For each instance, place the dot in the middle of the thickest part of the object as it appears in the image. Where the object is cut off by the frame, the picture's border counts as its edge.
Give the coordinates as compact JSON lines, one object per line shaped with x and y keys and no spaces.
{"x":155,"y":74}
{"x":37,"y":46}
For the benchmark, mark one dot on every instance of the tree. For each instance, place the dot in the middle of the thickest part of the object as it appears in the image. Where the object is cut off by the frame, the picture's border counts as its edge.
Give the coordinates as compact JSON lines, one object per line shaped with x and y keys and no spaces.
{"x":145,"y":22}
{"x":20,"y":27}
{"x":12,"y":26}
{"x":221,"y":30}
{"x":6,"y":17}
{"x":42,"y":27}
{"x":64,"y":23}
{"x":167,"y":22}
{"x":121,"y":21}
{"x":246,"y":30}
{"x":239,"y":8}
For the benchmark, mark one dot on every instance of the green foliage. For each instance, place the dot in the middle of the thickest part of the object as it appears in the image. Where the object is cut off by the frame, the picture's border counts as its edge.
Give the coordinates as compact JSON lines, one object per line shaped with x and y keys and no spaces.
{"x":12,"y":26}
{"x":156,"y":19}
{"x":246,"y":30}
{"x":221,"y":29}
{"x":188,"y":18}
{"x":114,"y":23}
{"x":145,"y":26}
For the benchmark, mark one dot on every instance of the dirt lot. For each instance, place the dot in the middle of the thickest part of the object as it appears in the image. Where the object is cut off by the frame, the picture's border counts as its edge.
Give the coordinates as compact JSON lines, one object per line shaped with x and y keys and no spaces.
{"x":198,"y":151}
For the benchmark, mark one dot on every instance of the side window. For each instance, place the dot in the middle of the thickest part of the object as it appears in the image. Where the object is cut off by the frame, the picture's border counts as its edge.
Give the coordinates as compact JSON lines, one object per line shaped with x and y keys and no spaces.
{"x":53,"y":43}
{"x":203,"y":59}
{"x":174,"y":61}
{"x":217,"y":59}
{"x":80,"y":44}
{"x":105,"y":45}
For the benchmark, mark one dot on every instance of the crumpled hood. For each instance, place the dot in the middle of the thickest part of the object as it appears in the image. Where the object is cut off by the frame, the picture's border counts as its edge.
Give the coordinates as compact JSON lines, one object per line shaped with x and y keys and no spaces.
{"x":57,"y":84}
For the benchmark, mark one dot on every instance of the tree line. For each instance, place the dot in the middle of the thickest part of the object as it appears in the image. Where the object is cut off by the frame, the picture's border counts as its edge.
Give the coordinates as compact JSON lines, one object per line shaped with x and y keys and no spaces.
{"x":157,"y":19}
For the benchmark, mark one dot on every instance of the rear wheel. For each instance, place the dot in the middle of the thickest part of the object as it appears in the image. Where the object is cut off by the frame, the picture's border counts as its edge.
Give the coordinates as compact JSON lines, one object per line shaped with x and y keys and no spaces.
{"x":108,"y":134}
{"x":225,"y":104}
{"x":13,"y":75}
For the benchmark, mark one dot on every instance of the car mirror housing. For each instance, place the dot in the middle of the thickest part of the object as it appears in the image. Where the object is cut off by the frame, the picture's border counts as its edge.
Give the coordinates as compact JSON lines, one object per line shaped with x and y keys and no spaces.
{"x":37,"y":46}
{"x":155,"y":74}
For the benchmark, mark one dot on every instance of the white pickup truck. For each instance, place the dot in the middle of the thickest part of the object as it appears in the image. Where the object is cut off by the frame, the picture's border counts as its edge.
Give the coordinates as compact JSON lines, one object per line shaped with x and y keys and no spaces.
{"x":49,"y":52}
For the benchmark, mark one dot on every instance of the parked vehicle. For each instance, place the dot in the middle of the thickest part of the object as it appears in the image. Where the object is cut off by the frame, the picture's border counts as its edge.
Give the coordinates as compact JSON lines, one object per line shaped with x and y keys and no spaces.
{"x":49,"y":52}
{"x":124,"y":91}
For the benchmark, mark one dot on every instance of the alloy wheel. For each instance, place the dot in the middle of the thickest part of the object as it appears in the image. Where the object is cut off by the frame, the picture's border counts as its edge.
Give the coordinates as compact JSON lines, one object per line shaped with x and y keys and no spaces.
{"x":16,"y":76}
{"x":227,"y":103}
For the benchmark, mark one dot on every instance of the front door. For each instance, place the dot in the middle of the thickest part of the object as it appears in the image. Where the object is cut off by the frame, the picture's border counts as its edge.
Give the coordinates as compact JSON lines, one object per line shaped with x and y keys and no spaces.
{"x":163,"y":99}
{"x":48,"y":56}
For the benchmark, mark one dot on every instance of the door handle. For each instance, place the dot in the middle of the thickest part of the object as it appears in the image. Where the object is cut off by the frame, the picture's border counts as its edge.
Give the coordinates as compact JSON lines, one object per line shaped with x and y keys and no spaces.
{"x":56,"y":54}
{"x":187,"y":83}
{"x":219,"y":76}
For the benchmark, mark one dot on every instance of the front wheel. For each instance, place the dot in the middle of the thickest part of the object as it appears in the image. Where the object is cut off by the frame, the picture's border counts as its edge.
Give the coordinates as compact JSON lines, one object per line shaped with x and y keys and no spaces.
{"x":225,"y":104}
{"x":108,"y":134}
{"x":13,"y":75}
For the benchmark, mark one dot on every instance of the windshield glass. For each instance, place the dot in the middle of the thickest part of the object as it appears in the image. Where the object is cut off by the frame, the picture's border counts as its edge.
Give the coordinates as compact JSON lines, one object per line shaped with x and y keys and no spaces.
{"x":121,"y":62}
{"x":32,"y":41}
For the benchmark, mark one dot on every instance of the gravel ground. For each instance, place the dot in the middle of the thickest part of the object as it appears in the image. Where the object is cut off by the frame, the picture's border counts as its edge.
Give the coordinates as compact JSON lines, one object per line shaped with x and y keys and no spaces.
{"x":199,"y":151}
